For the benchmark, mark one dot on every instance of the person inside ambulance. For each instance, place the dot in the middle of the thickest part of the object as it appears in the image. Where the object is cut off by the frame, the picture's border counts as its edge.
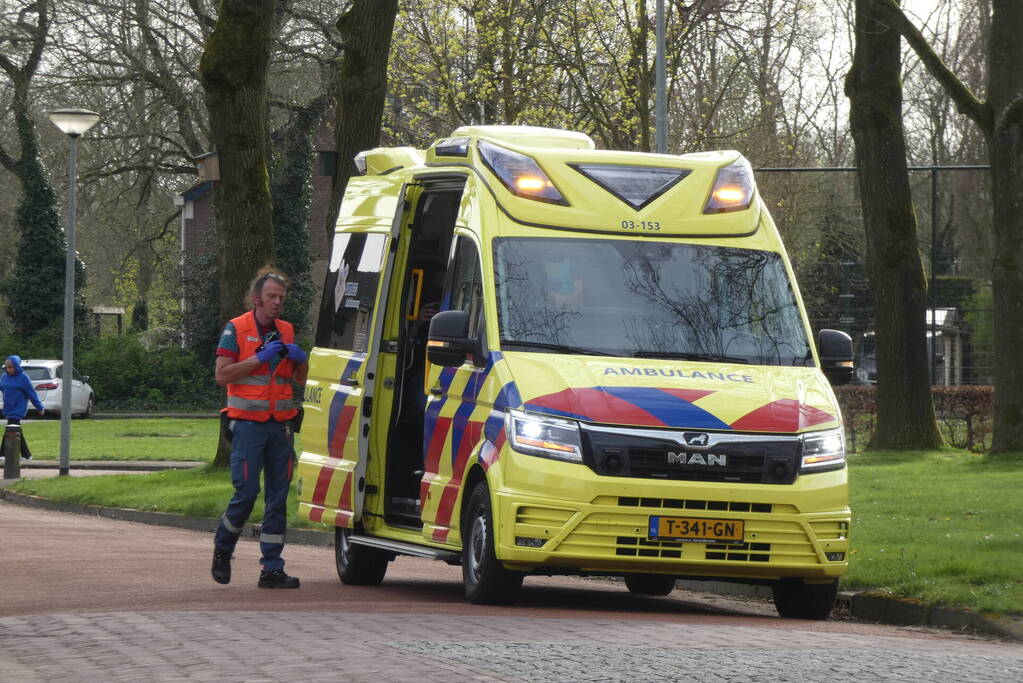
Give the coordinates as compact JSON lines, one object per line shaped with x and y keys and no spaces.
{"x":564,"y":282}
{"x":415,"y":354}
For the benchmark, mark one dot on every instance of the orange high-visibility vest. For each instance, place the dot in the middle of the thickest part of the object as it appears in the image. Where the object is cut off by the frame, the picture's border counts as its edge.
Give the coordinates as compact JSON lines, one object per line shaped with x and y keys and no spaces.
{"x":261,"y":395}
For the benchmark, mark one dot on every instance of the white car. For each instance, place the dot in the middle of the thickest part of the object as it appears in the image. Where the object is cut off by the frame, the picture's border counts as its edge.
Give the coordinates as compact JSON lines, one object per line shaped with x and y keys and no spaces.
{"x":46,"y":377}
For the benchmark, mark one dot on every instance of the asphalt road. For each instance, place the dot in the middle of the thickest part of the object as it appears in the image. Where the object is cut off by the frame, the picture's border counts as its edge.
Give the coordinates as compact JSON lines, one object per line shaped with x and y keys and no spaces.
{"x":86,"y":598}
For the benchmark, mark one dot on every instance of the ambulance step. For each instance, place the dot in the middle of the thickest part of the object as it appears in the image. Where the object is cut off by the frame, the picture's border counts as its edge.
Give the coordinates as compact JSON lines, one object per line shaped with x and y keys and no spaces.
{"x":407,"y":549}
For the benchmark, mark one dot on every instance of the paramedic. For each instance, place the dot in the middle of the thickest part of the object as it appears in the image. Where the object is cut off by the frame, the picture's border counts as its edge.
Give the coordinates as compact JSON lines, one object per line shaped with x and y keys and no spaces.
{"x":257,"y":359}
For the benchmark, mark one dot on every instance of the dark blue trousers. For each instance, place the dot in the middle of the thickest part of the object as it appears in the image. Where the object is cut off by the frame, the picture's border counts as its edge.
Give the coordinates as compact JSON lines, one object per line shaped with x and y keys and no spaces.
{"x":265,"y":447}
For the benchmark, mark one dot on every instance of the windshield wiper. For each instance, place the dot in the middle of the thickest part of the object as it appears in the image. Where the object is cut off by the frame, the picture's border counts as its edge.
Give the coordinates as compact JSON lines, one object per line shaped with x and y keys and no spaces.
{"x":560,"y":348}
{"x":706,"y":357}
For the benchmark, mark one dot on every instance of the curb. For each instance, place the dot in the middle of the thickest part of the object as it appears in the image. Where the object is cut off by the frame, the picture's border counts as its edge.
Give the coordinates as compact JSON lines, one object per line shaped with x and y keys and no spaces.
{"x":123,"y":465}
{"x":142,"y":416}
{"x":303,"y":536}
{"x":867,"y":605}
{"x":886,"y":609}
{"x":890,"y":609}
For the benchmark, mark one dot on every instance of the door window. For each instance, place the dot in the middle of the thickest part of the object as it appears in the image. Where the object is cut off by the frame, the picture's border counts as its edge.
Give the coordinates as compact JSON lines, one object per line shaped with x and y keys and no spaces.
{"x":350,"y":292}
{"x":467,"y":284}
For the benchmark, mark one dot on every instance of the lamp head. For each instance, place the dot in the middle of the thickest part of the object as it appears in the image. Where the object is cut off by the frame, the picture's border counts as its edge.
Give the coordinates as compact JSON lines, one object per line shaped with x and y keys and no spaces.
{"x":73,"y":122}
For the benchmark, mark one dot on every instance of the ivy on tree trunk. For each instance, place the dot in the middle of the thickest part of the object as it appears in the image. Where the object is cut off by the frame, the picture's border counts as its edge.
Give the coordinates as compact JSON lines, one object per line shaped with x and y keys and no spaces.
{"x":233,"y":70}
{"x":293,"y":160}
{"x":35,"y":291}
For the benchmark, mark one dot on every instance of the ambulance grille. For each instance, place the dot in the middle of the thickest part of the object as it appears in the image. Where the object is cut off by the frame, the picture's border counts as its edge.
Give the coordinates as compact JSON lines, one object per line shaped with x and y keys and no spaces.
{"x":661,"y":454}
{"x":632,"y":546}
{"x":739,"y":552}
{"x":653,"y":462}
{"x":676,"y":504}
{"x":623,"y":535}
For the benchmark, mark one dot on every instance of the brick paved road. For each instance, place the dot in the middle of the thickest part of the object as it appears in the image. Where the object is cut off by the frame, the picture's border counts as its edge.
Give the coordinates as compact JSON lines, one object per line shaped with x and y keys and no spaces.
{"x":90,"y":599}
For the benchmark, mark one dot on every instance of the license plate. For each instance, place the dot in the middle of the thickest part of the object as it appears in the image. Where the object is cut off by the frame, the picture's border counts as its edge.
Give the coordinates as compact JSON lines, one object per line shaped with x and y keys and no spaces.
{"x":696,"y":529}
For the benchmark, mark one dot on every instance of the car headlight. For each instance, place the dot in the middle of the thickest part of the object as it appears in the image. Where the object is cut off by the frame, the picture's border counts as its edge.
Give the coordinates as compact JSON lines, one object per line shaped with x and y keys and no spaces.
{"x":824,"y":450}
{"x":546,"y":437}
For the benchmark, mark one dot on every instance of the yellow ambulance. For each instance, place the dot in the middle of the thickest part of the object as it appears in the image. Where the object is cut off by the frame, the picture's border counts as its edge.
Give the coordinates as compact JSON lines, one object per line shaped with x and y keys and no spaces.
{"x":535,"y":357}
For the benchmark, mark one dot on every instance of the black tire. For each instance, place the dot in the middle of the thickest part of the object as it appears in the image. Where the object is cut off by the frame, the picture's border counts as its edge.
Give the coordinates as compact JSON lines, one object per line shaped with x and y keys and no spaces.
{"x":650,"y":584}
{"x":486,"y":580}
{"x":90,"y":407}
{"x":795,"y":599}
{"x":358,"y":565}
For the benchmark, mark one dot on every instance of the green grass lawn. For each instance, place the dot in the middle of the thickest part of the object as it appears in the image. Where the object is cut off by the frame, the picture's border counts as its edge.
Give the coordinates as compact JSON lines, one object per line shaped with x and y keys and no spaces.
{"x":135,"y":439}
{"x":942,"y":526}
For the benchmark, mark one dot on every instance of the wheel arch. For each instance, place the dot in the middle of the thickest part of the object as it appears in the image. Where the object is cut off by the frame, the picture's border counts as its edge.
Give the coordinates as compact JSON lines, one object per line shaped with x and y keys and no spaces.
{"x":473,"y":477}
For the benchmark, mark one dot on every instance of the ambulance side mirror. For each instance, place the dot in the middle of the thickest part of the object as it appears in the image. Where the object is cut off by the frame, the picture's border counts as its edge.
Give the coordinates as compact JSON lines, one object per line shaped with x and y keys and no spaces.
{"x":449,"y":343}
{"x":836,"y":353}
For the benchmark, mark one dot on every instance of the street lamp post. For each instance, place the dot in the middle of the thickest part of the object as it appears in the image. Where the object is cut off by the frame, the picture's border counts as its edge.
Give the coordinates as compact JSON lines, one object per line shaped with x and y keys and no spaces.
{"x":660,"y":86}
{"x":73,"y":123}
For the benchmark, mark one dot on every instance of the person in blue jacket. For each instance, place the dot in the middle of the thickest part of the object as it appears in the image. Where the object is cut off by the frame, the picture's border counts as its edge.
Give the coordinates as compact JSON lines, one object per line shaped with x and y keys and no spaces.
{"x":17,"y":392}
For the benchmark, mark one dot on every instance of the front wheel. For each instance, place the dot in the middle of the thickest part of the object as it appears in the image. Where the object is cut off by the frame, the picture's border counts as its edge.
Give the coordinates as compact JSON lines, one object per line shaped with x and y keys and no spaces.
{"x":90,"y":407}
{"x":795,"y":599}
{"x":650,"y":584}
{"x":486,"y":580}
{"x":358,"y":565}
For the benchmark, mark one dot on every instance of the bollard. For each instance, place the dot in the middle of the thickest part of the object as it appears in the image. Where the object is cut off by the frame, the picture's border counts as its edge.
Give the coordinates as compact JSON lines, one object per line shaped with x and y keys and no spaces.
{"x":12,"y":452}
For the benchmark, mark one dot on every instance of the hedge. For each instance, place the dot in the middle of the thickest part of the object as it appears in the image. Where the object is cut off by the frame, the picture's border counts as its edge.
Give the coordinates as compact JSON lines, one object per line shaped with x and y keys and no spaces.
{"x":127,"y":376}
{"x":964,"y":414}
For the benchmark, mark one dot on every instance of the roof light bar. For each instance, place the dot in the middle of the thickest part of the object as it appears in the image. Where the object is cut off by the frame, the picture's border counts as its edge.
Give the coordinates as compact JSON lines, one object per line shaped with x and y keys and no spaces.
{"x":452,"y":147}
{"x":520,"y":174}
{"x":360,"y":162}
{"x":637,"y":186}
{"x":733,"y":188}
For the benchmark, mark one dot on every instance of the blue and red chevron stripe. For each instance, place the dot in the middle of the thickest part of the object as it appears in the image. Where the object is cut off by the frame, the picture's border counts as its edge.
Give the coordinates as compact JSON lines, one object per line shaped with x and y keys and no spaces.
{"x":465,"y":435}
{"x":661,"y":407}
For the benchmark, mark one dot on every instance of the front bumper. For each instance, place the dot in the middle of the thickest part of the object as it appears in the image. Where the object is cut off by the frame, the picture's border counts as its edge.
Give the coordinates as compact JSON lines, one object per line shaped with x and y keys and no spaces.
{"x":596,"y":524}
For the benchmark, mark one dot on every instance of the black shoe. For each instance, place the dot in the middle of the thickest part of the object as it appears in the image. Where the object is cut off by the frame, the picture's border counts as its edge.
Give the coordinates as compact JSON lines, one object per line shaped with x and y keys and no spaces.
{"x":221,"y":566}
{"x":277,"y":579}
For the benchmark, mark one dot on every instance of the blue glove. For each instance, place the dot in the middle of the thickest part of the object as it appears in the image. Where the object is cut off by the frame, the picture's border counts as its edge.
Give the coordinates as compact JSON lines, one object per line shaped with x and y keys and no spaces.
{"x":267,"y":353}
{"x":296,"y":354}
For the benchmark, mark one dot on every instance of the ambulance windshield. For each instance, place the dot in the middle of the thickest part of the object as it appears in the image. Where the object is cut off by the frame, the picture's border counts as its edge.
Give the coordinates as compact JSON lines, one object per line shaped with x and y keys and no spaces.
{"x":647,"y":299}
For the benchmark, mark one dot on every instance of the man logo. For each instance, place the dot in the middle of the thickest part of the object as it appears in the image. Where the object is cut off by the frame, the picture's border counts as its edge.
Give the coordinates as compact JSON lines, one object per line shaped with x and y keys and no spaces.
{"x":709,"y":459}
{"x":696,"y":438}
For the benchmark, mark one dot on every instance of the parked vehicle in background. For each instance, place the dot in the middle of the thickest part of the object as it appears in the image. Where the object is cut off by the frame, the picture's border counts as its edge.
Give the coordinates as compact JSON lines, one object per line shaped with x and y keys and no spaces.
{"x":47,"y":376}
{"x":866,"y":361}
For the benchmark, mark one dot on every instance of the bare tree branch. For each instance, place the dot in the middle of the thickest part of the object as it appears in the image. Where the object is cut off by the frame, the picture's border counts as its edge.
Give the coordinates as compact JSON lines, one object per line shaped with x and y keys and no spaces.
{"x":966,"y":102}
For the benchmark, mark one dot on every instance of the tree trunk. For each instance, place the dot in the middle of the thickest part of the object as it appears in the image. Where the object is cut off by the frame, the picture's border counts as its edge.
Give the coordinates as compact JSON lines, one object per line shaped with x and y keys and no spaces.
{"x":359,"y":92}
{"x":233,"y":70}
{"x":1000,"y":119}
{"x":1005,"y":95}
{"x":905,"y":411}
{"x":360,"y":89}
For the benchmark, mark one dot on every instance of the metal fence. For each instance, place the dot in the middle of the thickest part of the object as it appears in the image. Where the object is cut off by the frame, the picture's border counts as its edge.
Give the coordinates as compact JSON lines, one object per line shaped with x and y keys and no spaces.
{"x":953,"y":209}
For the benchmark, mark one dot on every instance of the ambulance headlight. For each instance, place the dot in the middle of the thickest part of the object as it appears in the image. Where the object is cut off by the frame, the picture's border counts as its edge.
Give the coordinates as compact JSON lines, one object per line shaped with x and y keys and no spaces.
{"x":823,"y":450}
{"x":521,"y":175}
{"x":546,"y":437}
{"x":733,"y":188}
